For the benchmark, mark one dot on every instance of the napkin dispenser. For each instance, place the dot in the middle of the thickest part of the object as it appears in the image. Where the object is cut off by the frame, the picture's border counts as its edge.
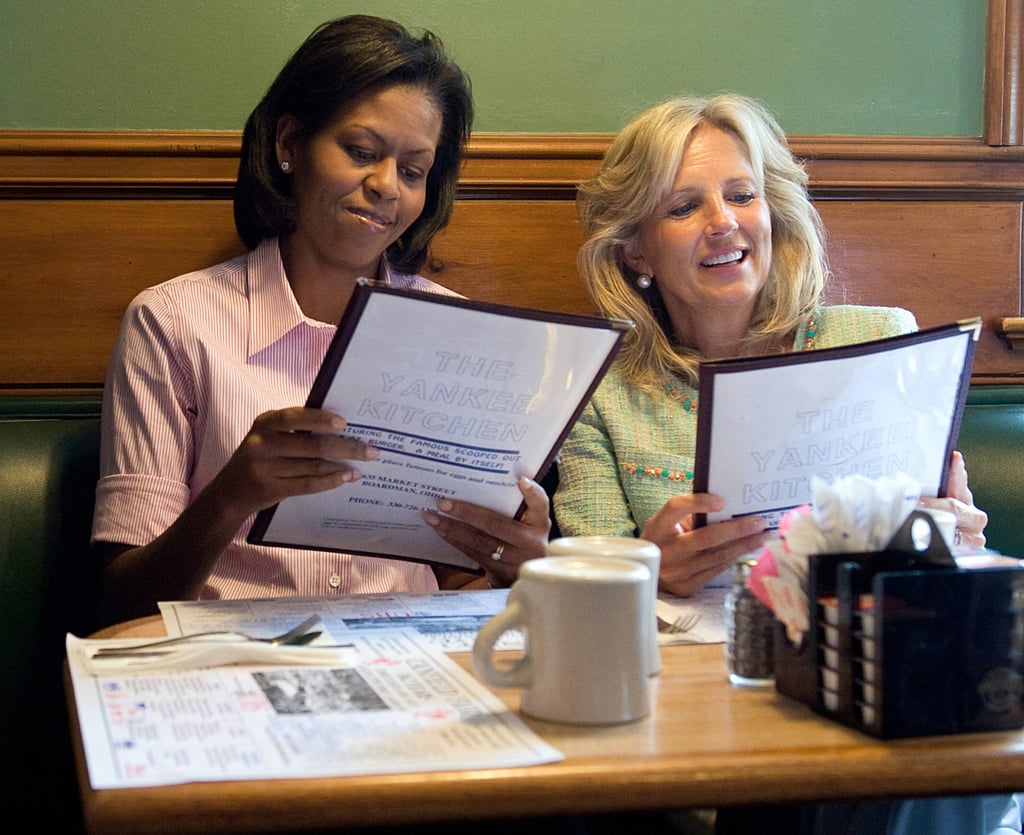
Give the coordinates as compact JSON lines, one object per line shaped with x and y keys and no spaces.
{"x":904,"y":643}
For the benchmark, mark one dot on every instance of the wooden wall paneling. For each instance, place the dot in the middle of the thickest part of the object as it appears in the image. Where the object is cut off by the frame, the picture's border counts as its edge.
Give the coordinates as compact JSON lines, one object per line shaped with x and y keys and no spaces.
{"x":70,"y":267}
{"x":519,"y":252}
{"x":943,"y":260}
{"x":1004,"y":73}
{"x":87,"y":220}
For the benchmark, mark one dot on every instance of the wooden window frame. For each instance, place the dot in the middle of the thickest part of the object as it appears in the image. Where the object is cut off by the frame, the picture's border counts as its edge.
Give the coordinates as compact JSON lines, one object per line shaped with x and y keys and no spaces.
{"x":1003,"y":60}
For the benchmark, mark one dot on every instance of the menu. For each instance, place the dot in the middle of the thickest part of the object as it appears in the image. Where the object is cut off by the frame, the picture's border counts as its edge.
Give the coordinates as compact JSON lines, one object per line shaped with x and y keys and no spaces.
{"x":767,"y":425}
{"x":461,"y":398}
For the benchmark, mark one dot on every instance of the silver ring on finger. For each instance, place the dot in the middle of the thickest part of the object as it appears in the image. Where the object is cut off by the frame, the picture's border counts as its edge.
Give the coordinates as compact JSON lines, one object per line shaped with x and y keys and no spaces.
{"x":496,"y":554}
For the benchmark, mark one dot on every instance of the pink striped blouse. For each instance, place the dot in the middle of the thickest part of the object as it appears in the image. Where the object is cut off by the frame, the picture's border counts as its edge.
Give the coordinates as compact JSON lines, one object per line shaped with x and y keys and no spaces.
{"x":197,"y":359}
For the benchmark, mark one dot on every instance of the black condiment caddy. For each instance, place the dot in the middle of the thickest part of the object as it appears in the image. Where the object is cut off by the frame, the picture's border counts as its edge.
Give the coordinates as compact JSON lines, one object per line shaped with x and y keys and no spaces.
{"x":918,"y":646}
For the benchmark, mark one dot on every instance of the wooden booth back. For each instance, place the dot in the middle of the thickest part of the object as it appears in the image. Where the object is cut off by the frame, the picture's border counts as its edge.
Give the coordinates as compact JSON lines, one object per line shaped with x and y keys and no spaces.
{"x":89,"y":219}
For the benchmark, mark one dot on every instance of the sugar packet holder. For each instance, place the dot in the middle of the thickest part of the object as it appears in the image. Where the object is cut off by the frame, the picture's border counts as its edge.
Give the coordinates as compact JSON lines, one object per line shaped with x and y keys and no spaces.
{"x":905,"y":643}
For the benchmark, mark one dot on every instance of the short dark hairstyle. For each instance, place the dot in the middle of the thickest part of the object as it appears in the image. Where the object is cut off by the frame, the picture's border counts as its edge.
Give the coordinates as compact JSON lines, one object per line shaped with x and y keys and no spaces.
{"x":340,"y":61}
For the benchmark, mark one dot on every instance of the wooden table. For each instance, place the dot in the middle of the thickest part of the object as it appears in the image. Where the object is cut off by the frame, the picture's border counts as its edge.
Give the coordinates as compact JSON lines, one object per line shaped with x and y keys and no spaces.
{"x":705,"y":744}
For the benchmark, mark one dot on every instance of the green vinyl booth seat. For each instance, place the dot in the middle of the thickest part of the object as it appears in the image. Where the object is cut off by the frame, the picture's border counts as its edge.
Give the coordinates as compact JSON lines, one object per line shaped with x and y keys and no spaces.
{"x":49,"y":461}
{"x":992,"y":441}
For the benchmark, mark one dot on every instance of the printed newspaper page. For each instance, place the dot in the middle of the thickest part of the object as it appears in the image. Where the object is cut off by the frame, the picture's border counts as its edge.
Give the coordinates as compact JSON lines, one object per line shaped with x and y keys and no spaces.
{"x":445,"y":620}
{"x":400,"y":707}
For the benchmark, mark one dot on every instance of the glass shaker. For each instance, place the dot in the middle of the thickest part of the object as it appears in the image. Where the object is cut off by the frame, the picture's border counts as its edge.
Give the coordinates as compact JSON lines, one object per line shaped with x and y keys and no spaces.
{"x":750,"y":631}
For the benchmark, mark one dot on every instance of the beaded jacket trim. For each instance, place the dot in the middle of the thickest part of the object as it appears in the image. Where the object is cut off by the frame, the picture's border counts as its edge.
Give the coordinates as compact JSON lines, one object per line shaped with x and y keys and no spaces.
{"x":689,"y":403}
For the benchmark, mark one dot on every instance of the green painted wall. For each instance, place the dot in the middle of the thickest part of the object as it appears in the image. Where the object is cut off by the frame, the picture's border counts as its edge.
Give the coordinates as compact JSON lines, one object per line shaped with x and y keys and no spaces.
{"x":902,"y":67}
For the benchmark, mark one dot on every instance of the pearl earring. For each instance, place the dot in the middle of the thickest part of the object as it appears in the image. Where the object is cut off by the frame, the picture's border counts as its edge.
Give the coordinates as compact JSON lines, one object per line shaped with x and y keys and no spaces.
{"x":643,"y":281}
{"x":286,"y":166}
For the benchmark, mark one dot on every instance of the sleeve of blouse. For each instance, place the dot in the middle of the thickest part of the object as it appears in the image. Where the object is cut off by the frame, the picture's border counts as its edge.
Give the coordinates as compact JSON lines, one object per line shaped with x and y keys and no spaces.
{"x":590,"y":499}
{"x":147,"y":444}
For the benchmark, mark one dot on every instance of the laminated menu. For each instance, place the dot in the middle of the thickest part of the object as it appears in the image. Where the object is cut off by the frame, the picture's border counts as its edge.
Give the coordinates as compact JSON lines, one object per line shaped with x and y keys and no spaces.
{"x":462,"y":399}
{"x":766,"y":426}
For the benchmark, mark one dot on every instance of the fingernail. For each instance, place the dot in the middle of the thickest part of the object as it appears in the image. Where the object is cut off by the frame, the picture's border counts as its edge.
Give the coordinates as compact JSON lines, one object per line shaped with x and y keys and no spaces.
{"x":445,"y":505}
{"x":372,"y":453}
{"x":431,"y":519}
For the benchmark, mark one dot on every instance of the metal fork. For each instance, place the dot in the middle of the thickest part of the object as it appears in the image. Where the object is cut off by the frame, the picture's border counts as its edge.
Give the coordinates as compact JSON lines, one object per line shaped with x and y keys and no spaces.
{"x":683,"y":623}
{"x":296,"y":636}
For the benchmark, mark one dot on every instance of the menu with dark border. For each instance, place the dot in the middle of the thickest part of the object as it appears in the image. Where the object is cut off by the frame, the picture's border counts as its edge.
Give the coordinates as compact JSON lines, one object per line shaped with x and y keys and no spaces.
{"x":462,"y":398}
{"x":767,"y":425}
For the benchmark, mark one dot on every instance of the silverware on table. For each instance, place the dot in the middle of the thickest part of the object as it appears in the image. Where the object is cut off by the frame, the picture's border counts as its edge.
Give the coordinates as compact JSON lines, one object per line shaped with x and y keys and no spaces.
{"x":296,"y":636}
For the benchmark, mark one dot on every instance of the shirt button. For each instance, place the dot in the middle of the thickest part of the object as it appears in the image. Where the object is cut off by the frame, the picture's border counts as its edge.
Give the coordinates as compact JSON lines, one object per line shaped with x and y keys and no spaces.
{"x":334,"y":580}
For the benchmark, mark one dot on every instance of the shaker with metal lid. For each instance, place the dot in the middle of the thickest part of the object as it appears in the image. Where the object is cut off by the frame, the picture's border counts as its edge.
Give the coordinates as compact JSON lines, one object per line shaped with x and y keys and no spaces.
{"x":750,"y":631}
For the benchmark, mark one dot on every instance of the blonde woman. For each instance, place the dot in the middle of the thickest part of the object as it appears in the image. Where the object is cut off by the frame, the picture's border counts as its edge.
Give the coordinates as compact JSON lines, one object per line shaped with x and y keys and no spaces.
{"x":698,"y":227}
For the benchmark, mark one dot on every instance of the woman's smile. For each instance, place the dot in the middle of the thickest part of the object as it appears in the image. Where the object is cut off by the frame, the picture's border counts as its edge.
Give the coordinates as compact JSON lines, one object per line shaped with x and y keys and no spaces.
{"x":722,"y":259}
{"x":374,"y":221}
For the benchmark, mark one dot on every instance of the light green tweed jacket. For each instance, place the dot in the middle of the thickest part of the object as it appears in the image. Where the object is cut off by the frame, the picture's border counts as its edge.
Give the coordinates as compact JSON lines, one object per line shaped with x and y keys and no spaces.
{"x":630,"y":451}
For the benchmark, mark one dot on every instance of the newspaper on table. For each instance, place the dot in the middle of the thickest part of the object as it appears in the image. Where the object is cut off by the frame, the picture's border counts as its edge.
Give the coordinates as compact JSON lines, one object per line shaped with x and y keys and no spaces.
{"x":446,"y":620}
{"x":399,"y":706}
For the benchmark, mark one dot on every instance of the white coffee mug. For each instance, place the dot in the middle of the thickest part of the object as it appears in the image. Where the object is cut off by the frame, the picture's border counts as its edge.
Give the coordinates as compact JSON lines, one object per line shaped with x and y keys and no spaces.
{"x":623,"y":547}
{"x":584,"y":660}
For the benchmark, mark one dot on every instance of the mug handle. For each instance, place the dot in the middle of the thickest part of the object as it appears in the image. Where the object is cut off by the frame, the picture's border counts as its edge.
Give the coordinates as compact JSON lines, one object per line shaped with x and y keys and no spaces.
{"x":519,"y":672}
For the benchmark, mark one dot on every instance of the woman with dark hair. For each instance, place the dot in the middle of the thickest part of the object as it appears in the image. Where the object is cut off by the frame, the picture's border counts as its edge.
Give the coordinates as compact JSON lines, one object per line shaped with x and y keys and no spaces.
{"x":341,"y":61}
{"x":349,"y":168}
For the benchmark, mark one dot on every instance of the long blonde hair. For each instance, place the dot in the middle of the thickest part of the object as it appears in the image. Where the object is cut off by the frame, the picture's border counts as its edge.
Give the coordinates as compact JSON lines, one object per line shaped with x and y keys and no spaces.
{"x":638,"y":172}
